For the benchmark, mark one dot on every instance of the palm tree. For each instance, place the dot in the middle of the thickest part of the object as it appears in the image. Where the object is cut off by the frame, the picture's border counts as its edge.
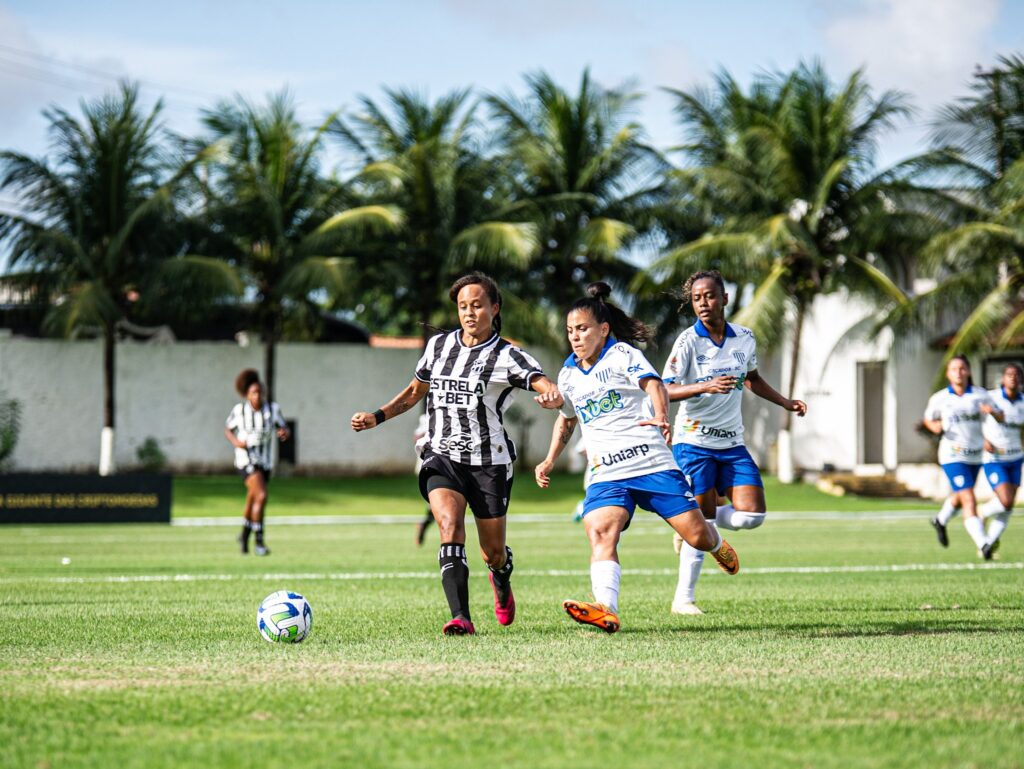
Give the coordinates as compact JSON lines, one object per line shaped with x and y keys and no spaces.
{"x":276,"y":217}
{"x":584,"y":174}
{"x":99,"y":227}
{"x":786,"y":177}
{"x":976,"y":170}
{"x":424,"y":160}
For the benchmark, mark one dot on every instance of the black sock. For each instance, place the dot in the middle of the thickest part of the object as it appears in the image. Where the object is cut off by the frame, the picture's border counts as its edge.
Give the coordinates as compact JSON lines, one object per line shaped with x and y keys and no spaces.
{"x":451,"y":558}
{"x":257,"y":527}
{"x":246,"y":528}
{"x":502,"y":577}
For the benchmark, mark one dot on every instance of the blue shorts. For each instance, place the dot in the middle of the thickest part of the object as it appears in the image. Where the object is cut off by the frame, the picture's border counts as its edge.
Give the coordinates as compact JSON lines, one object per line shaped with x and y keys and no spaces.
{"x":961,"y":475}
{"x":666,"y":493}
{"x":718,"y":469}
{"x":999,"y":473}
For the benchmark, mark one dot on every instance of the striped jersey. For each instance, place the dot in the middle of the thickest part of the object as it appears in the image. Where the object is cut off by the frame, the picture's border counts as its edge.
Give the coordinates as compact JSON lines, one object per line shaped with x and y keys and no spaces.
{"x":1004,"y":436}
{"x":257,"y":427}
{"x":711,"y":420}
{"x":471,"y":388}
{"x":609,"y":403}
{"x":961,"y":423}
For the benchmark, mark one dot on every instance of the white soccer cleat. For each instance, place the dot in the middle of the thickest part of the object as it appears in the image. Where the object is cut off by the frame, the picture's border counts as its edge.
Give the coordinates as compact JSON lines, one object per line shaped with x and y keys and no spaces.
{"x":685,"y":607}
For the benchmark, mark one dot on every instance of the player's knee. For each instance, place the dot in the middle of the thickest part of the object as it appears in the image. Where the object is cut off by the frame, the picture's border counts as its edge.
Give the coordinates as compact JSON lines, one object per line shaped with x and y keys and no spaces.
{"x":259,"y":496}
{"x":744,"y":520}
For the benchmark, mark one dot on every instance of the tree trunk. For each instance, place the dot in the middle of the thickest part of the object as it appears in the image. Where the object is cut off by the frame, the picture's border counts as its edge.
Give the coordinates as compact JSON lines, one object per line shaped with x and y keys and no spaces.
{"x":786,"y":467}
{"x":107,"y":436}
{"x":269,"y":355}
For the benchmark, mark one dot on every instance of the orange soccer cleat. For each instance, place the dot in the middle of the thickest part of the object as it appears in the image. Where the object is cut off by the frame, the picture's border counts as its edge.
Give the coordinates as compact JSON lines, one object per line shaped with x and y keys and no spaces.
{"x":727,"y":558}
{"x":596,"y":614}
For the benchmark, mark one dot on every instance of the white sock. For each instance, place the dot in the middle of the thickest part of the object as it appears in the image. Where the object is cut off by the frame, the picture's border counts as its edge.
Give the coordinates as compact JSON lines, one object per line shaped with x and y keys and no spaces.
{"x":996,"y":526}
{"x":947,"y":512}
{"x":976,"y":528}
{"x":992,"y":507}
{"x":728,"y":517}
{"x":690,"y":562}
{"x":604,"y":583}
{"x":718,"y":537}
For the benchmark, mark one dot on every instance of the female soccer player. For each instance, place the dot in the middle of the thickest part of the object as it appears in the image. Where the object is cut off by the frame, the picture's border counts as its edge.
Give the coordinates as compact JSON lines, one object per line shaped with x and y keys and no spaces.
{"x":610,"y":388}
{"x":1002,"y":457}
{"x":469,"y":375}
{"x":706,"y":371}
{"x":250,"y":428}
{"x":955,"y":413}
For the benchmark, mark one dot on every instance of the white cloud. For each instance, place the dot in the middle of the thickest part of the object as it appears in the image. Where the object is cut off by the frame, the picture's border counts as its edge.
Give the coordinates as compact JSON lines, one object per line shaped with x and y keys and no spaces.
{"x":926,"y":47}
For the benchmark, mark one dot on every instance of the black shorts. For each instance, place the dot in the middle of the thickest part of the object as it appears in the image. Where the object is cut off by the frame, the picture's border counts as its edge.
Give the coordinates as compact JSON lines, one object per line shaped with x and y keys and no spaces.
{"x":248,"y":470}
{"x":487,"y":488}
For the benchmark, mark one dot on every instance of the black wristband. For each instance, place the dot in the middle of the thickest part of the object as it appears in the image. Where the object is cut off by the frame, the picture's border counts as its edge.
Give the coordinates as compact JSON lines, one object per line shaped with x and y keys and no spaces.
{"x":379,"y":415}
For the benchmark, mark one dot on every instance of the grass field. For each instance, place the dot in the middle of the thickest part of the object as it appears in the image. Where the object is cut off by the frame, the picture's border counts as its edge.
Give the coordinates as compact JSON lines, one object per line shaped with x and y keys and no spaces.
{"x":850,"y":641}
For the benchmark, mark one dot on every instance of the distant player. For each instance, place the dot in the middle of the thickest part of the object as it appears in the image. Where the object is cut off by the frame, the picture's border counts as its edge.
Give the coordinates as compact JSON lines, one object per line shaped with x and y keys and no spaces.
{"x":469,"y":376}
{"x":250,"y":428}
{"x":1002,"y":457}
{"x":956,"y":413}
{"x":610,"y":387}
{"x":709,"y":365}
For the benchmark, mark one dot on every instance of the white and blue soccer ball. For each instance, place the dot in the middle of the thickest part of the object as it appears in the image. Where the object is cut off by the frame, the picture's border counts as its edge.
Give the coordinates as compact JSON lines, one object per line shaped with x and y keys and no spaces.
{"x":284,"y":617}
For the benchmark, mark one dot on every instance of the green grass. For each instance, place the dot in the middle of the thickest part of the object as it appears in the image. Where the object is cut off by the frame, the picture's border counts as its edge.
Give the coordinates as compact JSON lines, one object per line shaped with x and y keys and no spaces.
{"x":222,"y":495}
{"x":918,"y":668}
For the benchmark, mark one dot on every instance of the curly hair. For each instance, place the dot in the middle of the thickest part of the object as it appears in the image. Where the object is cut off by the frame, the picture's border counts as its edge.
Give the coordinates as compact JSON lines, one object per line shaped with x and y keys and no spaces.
{"x":246,"y":378}
{"x":623,"y":327}
{"x":687,"y":291}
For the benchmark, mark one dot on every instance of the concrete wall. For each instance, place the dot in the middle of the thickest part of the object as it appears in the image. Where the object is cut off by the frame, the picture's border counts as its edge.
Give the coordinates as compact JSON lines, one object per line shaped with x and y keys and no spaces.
{"x":180,"y":394}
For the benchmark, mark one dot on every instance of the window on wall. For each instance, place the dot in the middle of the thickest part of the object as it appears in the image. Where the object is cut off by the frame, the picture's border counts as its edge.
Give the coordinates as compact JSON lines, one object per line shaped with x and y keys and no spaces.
{"x":992,"y":368}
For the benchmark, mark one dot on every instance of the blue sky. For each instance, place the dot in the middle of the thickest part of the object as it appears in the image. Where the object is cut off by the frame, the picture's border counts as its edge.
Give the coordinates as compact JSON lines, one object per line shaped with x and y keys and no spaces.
{"x":329,"y":52}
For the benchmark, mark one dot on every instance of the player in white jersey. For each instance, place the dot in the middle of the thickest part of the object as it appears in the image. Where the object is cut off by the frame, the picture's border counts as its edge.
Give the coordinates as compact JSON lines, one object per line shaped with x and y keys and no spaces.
{"x":955,"y":413}
{"x":468,"y":377}
{"x":706,"y":372}
{"x":250,"y":428}
{"x":611,"y":389}
{"x":1001,"y":460}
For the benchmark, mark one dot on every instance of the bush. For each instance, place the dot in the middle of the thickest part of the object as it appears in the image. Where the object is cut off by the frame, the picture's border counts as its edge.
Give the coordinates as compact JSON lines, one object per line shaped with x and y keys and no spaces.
{"x":10,"y":423}
{"x":150,"y":456}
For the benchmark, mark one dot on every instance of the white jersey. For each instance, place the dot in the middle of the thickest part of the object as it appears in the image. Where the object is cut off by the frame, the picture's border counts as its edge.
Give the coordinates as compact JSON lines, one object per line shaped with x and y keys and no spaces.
{"x":470,"y":390}
{"x":711,"y":420}
{"x":961,"y":423}
{"x":608,"y":402}
{"x":256,"y":427}
{"x":1004,"y":436}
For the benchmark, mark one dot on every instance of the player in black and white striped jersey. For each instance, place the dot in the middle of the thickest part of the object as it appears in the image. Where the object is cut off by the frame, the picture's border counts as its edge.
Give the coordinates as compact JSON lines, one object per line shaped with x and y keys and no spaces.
{"x":469,"y":376}
{"x":250,"y":428}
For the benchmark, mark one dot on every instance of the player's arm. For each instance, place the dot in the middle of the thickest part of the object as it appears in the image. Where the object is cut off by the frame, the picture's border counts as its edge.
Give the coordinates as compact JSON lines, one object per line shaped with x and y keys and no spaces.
{"x":549,"y":397}
{"x":932,"y":425}
{"x":992,"y":411}
{"x":658,"y":394}
{"x":720,"y":385}
{"x":233,"y":439}
{"x":405,"y":400}
{"x":561,"y":434}
{"x":757,"y":385}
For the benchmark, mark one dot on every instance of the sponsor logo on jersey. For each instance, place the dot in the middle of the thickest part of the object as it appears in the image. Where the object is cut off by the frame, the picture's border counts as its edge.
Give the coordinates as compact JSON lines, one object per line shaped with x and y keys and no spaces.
{"x":593,"y":409}
{"x":455,"y":444}
{"x":633,"y":369}
{"x":694,"y":426}
{"x":452,"y":391}
{"x":703,"y":358}
{"x":621,"y":456}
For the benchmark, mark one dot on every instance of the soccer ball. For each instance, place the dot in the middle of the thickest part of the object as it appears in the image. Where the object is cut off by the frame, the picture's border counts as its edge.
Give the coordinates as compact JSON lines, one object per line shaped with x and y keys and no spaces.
{"x":284,"y":617}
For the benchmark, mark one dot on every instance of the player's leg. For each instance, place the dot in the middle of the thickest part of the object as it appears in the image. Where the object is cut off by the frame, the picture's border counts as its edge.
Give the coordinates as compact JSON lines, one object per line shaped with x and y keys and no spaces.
{"x":604,"y":525}
{"x":740,"y":480}
{"x":243,"y":538}
{"x":972,"y":521}
{"x":423,"y":525}
{"x":957,"y":474}
{"x":449,"y":508}
{"x":257,"y":485}
{"x":1005,"y":480}
{"x":488,"y":493}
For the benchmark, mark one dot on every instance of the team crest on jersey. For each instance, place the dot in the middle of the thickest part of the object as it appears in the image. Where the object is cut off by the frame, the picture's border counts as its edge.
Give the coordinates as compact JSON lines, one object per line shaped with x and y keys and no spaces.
{"x":603,"y":375}
{"x":478,"y":366}
{"x":741,"y":357}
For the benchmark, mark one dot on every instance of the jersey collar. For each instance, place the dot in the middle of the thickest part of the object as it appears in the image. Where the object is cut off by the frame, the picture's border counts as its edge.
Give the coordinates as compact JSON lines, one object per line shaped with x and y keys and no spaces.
{"x":951,"y":391}
{"x":478,"y":345}
{"x":702,"y":330}
{"x":572,"y":361}
{"x":1011,"y":400}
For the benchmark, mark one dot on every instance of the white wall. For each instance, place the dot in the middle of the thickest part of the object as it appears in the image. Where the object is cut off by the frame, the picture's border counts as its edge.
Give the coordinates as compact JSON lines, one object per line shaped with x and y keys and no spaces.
{"x":181,"y":394}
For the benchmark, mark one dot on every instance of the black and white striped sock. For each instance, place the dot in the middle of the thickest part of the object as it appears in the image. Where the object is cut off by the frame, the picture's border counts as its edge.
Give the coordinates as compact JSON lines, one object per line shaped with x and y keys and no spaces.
{"x":451,"y":559}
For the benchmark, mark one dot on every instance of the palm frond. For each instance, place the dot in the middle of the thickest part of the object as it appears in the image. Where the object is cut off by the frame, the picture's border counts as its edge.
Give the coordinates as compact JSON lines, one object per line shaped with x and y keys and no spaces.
{"x":495,"y":243}
{"x":766,"y":313}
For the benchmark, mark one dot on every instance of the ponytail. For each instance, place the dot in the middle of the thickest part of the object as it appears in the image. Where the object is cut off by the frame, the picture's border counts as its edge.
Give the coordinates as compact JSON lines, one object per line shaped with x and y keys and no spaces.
{"x":623,"y":327}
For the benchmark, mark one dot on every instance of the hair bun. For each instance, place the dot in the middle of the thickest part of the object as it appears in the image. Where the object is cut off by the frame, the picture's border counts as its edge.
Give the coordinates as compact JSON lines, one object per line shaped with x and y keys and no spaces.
{"x":599,"y":290}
